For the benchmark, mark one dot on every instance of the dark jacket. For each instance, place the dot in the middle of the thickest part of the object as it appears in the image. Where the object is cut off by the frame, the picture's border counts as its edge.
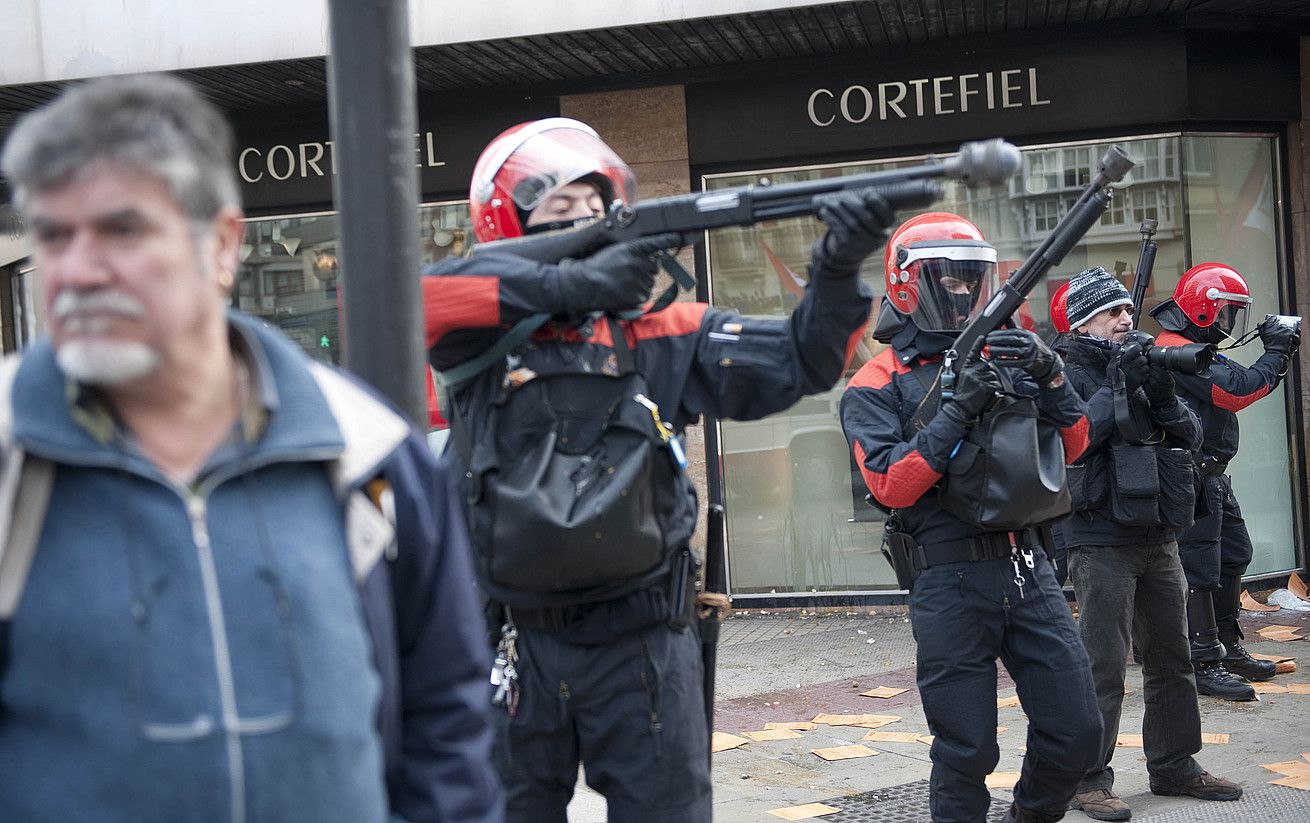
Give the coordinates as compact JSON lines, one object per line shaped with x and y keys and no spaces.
{"x":901,"y":466}
{"x":696,"y":359}
{"x":1225,"y":389}
{"x":1087,"y":361}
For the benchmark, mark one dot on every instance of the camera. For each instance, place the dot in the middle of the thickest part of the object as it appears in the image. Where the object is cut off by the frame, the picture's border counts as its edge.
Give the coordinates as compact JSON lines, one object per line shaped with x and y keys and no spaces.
{"x":1289,"y":321}
{"x":1191,"y":358}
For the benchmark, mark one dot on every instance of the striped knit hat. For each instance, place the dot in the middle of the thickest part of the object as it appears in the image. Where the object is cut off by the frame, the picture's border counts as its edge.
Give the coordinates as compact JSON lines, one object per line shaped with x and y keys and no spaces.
{"x":1092,"y":292}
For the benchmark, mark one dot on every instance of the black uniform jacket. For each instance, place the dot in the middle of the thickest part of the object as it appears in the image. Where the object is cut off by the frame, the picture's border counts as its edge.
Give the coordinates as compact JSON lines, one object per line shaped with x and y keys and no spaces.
{"x":1088,"y":359}
{"x":1217,"y":395}
{"x":696,"y":359}
{"x":901,"y":466}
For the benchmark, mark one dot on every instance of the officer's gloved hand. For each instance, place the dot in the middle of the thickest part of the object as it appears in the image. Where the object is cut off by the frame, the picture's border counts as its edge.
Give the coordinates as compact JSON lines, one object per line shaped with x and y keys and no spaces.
{"x":1021,"y":349}
{"x":976,"y":385}
{"x":615,"y":278}
{"x":1278,"y":338}
{"x":1131,"y":360}
{"x":1161,"y":390}
{"x":858,"y":223}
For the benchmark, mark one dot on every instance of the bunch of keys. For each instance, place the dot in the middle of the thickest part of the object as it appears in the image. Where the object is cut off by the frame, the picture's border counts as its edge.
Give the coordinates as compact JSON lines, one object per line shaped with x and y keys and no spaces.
{"x":503,"y":674}
{"x":1027,"y":555}
{"x":665,"y":429}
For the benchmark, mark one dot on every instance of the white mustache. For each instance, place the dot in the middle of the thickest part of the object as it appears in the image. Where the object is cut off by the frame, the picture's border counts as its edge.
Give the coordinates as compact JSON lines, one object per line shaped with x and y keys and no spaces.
{"x":72,"y":303}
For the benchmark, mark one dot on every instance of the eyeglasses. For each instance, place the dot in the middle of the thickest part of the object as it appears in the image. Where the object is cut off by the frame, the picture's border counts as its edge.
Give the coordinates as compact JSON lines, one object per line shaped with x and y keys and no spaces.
{"x":1115,"y":311}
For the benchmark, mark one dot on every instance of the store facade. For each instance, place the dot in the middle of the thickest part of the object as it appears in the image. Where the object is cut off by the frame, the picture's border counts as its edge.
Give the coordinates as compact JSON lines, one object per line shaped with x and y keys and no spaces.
{"x":1202,"y":113}
{"x":1211,"y":117}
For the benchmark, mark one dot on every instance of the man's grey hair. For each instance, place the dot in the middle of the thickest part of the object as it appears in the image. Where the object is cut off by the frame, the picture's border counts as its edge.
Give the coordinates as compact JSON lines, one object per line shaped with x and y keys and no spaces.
{"x":153,"y":124}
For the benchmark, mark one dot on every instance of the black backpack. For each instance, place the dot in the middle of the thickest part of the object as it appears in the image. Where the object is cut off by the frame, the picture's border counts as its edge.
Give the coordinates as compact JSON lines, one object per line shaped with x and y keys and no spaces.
{"x":1009,"y":471}
{"x":572,"y":482}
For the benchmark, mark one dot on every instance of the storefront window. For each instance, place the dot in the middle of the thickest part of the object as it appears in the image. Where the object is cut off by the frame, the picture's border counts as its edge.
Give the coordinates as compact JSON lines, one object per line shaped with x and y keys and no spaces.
{"x":1232,"y":219}
{"x":290,"y":274}
{"x":797,"y":521}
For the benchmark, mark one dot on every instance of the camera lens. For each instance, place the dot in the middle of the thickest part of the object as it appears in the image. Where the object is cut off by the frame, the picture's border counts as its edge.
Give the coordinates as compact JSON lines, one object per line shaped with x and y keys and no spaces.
{"x":1193,"y":358}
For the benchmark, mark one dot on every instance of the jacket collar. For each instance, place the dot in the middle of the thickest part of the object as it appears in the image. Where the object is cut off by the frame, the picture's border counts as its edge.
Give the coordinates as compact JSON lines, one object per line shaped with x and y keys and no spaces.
{"x":65,"y":422}
{"x":1090,"y":352}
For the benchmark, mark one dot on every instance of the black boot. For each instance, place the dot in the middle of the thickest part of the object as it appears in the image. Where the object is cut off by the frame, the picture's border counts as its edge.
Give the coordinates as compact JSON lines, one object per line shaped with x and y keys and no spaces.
{"x":1018,"y":815}
{"x":1236,"y":659}
{"x":1207,"y":652}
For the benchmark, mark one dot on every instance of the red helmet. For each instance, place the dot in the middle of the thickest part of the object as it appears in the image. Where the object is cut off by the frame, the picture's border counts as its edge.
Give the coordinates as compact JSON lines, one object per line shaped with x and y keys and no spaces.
{"x":1060,"y":308}
{"x":939,"y":270}
{"x":1212,"y":294}
{"x":518,"y":170}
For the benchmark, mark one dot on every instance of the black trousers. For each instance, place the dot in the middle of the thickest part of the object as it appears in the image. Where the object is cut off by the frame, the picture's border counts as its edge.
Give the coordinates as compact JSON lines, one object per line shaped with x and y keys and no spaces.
{"x":965,"y":616}
{"x":1218,"y":545}
{"x":1138,"y":594}
{"x":630,"y":710}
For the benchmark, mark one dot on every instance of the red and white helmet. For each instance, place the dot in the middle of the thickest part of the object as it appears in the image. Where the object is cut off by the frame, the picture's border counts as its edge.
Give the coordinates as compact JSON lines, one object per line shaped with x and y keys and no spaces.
{"x":1060,"y":308}
{"x":528,"y":163}
{"x":1214,"y":295}
{"x":940,"y":270}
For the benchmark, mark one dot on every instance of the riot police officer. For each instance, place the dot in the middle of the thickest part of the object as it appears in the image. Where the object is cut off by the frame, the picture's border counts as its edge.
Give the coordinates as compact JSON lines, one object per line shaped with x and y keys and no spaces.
{"x":978,"y":595}
{"x":598,"y":657}
{"x":1210,"y":305}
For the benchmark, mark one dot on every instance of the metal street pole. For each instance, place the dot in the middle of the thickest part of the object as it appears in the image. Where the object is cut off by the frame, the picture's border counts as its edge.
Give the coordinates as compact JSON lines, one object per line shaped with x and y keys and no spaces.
{"x":371,"y":105}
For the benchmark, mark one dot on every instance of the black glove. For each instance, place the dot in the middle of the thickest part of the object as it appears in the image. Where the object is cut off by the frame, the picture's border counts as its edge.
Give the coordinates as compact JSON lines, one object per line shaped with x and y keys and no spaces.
{"x":1278,"y":338}
{"x":615,"y":278}
{"x":1131,"y":360}
{"x":858,"y":224}
{"x":1022,"y":349}
{"x":976,"y":385}
{"x":1161,"y":390}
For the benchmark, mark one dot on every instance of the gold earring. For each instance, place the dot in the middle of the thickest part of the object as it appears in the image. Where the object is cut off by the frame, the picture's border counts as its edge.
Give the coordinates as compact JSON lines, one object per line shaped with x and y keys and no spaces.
{"x":225,"y":278}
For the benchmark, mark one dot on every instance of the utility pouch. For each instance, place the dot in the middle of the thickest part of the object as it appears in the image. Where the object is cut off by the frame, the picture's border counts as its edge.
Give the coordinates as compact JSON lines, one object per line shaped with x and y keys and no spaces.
{"x":1089,"y":482}
{"x":682,"y":588}
{"x":1009,"y":472}
{"x":1179,"y":489}
{"x":1134,"y":486}
{"x":898,"y":547}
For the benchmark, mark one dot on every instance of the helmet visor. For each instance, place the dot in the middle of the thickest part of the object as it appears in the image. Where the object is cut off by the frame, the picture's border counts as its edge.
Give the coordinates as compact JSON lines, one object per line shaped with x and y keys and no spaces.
{"x":953,"y":283}
{"x":548,"y":160}
{"x":1231,"y":319}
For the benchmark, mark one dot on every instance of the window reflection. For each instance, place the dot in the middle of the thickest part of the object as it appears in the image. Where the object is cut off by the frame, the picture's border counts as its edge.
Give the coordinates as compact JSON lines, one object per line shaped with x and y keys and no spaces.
{"x":290,"y":273}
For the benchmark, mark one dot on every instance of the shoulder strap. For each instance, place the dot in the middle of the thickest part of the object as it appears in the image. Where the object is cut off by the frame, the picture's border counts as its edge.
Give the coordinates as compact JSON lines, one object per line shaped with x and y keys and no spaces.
{"x":372,"y":431}
{"x":927,"y":408}
{"x":25,"y":484}
{"x":522,"y":330}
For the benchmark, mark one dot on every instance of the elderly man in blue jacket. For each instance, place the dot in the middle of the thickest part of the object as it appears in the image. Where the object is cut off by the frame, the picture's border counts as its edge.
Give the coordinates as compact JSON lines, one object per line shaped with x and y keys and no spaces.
{"x":247,"y":595}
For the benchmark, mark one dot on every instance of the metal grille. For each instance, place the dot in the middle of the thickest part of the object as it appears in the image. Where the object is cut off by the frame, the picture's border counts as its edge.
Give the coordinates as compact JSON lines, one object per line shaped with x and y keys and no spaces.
{"x":907,"y":803}
{"x":1268,"y":804}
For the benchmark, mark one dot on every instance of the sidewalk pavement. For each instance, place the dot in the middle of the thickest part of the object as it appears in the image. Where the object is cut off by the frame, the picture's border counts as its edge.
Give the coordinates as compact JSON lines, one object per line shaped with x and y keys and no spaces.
{"x":777,"y":666}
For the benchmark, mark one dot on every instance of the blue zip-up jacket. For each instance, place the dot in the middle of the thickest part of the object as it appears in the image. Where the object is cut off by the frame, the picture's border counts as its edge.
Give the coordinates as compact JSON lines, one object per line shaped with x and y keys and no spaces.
{"x":285,"y":639}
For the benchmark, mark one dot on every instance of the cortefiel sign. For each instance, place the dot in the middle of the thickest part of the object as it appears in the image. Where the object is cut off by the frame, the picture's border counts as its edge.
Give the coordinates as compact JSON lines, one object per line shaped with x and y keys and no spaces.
{"x":932,"y":96}
{"x":289,"y":163}
{"x":926,"y":96}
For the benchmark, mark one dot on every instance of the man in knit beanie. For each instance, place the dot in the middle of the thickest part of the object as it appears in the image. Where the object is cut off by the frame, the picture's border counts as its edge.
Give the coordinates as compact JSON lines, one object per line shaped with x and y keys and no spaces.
{"x":1099,"y":302}
{"x":1124,"y":561}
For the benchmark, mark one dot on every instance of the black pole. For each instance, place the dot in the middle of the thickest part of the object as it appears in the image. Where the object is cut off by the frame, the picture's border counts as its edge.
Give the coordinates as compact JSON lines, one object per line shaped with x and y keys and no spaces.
{"x":371,"y":104}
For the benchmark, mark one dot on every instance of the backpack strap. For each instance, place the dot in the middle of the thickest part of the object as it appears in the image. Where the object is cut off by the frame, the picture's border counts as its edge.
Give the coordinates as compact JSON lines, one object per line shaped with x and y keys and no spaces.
{"x":460,"y":373}
{"x":25,"y":484}
{"x":372,"y":432}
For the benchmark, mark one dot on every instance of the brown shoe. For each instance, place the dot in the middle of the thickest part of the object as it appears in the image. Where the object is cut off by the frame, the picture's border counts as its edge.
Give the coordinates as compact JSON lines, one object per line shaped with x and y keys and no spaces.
{"x":1101,"y":804}
{"x":1204,"y":786}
